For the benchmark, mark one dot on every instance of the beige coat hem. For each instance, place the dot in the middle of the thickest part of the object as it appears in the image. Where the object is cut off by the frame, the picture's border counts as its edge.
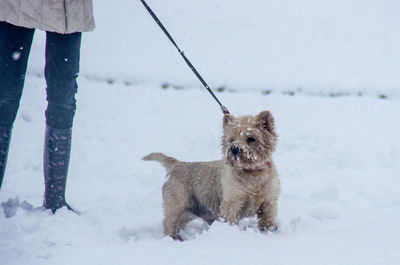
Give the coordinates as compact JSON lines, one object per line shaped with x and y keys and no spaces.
{"x":61,"y":16}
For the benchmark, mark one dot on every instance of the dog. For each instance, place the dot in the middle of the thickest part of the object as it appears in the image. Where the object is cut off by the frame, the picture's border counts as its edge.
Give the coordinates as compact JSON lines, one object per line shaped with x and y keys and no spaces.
{"x":242,"y":184}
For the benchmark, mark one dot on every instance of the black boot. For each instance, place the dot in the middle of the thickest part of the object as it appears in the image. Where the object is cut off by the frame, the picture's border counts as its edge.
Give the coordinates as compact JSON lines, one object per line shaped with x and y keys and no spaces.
{"x":5,"y":137}
{"x":57,"y":147}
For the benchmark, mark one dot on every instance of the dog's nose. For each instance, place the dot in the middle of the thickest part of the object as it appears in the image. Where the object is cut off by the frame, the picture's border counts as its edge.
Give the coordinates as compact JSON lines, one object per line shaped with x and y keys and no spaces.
{"x":234,"y":150}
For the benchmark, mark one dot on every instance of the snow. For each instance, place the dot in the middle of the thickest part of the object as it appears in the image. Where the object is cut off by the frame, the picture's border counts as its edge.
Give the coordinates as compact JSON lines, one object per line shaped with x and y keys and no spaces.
{"x":337,"y":156}
{"x":337,"y":159}
{"x":341,"y":46}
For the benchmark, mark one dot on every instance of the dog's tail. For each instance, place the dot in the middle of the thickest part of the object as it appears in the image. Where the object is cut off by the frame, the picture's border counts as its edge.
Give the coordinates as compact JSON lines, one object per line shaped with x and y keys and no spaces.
{"x":167,"y":161}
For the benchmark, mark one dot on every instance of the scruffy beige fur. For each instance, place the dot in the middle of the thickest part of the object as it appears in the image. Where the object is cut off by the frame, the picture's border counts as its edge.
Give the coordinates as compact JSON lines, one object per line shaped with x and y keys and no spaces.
{"x":243,"y":184}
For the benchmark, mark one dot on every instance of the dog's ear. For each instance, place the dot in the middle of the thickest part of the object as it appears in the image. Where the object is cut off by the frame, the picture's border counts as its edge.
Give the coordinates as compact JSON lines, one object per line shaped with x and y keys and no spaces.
{"x":227,"y":119}
{"x":267,"y":121}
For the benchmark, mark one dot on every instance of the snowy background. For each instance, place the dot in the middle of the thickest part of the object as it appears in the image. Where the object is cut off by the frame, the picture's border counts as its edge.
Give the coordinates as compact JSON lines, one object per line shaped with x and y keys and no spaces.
{"x":328,"y":71}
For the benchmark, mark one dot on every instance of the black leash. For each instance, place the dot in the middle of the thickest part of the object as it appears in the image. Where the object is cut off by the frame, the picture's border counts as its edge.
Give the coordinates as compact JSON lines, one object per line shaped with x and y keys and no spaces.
{"x":223,"y":108}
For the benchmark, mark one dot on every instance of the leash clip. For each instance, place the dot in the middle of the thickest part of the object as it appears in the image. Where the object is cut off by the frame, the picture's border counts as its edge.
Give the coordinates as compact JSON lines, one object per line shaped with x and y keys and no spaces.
{"x":224,"y":110}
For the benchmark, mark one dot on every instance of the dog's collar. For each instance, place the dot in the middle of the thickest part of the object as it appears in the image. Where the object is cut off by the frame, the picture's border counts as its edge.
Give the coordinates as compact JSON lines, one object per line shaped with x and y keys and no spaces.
{"x":266,"y":164}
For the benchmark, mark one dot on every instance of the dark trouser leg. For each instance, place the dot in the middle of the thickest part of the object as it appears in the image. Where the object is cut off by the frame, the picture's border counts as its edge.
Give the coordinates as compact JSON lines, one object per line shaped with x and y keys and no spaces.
{"x":15,"y":45}
{"x":61,"y":71}
{"x":5,"y":137}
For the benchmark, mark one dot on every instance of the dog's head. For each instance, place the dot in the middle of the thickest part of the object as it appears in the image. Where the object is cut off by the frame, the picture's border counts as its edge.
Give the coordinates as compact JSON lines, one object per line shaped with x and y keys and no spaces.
{"x":248,"y":141}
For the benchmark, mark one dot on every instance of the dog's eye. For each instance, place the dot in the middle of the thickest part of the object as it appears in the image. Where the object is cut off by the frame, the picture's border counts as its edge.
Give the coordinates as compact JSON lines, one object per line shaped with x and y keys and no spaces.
{"x":250,"y":139}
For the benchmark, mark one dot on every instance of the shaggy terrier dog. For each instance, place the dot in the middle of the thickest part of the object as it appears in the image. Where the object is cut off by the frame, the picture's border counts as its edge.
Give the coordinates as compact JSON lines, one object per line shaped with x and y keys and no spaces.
{"x":242,"y":184}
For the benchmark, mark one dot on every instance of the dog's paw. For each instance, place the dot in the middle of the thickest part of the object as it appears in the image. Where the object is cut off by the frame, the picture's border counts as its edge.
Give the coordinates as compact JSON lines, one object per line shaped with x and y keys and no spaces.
{"x":228,"y":214}
{"x":232,"y":219}
{"x":176,"y":237}
{"x":270,"y":228}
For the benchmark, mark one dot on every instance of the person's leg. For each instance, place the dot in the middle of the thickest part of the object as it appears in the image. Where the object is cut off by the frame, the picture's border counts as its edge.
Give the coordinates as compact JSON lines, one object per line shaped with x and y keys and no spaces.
{"x":15,"y":45}
{"x":61,"y":72}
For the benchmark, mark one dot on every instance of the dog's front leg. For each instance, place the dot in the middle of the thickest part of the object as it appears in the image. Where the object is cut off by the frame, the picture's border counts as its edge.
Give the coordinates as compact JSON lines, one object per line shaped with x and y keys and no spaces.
{"x":230,"y":210}
{"x":267,"y":215}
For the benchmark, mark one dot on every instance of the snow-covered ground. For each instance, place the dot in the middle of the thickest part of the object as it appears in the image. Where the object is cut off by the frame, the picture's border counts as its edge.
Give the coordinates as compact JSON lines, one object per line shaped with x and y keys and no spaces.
{"x":338,"y":160}
{"x":327,"y":70}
